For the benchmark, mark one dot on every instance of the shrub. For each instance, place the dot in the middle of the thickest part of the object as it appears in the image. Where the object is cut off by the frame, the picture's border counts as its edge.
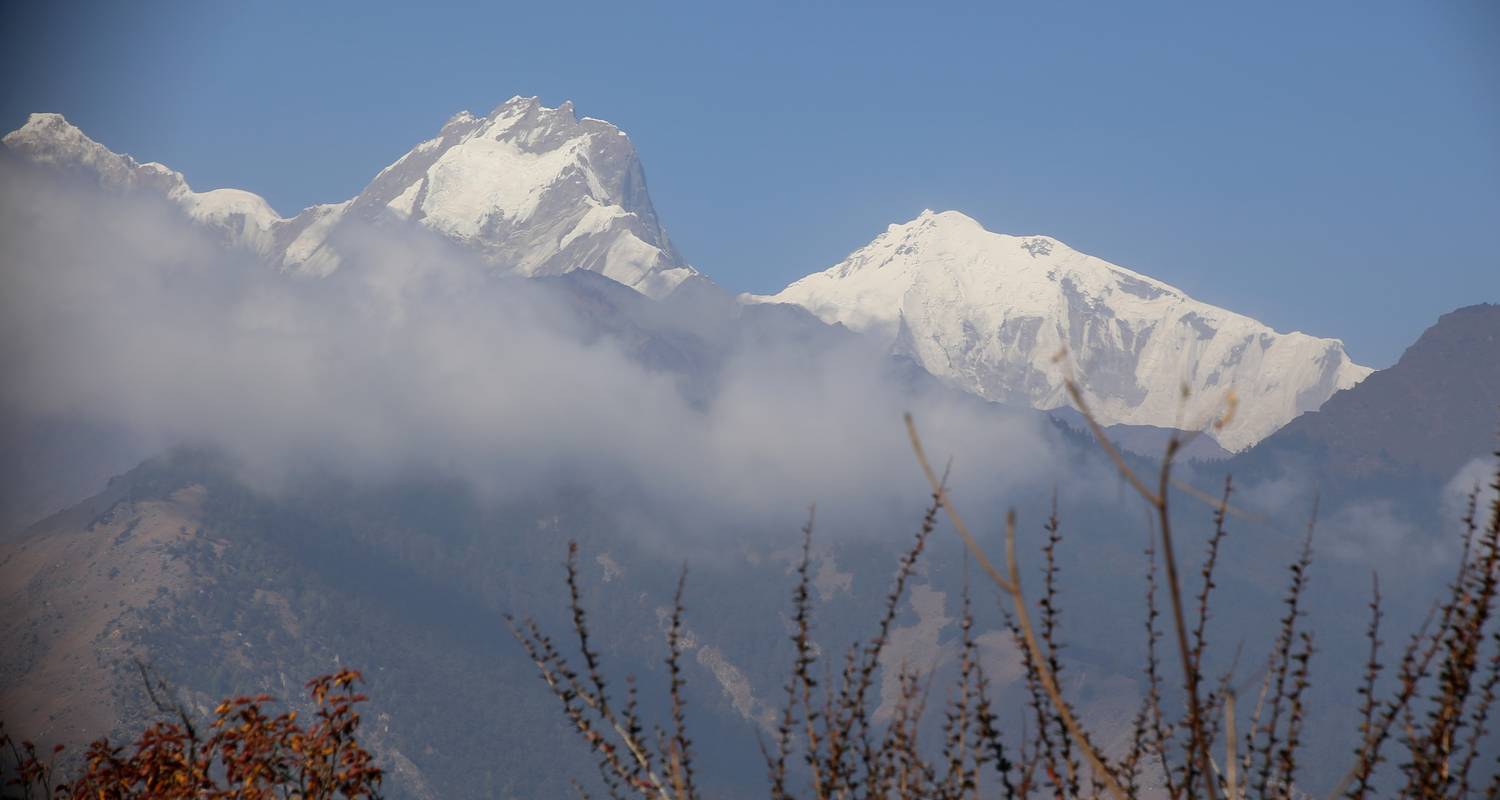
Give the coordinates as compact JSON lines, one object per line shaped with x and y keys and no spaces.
{"x":250,"y":753}
{"x":1431,"y":725}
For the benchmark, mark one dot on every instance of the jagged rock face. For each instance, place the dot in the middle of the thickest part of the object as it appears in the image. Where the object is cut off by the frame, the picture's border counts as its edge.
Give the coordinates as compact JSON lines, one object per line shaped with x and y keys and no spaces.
{"x":990,"y":313}
{"x":532,"y":190}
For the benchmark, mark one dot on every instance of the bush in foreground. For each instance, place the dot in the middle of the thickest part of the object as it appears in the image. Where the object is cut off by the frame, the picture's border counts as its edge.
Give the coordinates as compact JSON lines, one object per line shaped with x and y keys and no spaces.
{"x":1422,"y":738}
{"x":249,"y":753}
{"x":1191,"y":738}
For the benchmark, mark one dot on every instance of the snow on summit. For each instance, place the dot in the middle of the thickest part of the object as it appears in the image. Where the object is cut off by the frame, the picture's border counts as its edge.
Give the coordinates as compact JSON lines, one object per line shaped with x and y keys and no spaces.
{"x":531,"y":189}
{"x":538,"y":191}
{"x":240,"y":218}
{"x":988,"y":312}
{"x":535,"y":190}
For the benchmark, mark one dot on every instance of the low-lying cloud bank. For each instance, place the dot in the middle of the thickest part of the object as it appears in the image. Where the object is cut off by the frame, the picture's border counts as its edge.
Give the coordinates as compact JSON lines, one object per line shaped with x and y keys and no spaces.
{"x":117,"y":316}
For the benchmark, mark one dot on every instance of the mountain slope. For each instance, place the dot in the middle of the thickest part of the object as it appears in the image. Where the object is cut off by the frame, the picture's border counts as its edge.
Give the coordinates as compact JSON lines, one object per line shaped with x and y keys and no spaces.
{"x":533,"y":190}
{"x":224,"y":590}
{"x":989,"y":313}
{"x":1432,"y":412}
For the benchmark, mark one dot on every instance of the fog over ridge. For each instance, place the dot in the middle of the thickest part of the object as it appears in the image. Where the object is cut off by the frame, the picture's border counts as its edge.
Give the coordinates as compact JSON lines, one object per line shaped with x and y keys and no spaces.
{"x":416,"y":358}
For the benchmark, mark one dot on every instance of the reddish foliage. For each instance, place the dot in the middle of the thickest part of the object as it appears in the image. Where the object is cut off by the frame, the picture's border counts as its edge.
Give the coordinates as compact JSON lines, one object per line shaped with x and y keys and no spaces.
{"x":249,"y":754}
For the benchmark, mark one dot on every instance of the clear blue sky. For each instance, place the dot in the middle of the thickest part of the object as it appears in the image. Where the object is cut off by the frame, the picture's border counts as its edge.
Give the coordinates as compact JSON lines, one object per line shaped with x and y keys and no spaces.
{"x":1332,"y":167}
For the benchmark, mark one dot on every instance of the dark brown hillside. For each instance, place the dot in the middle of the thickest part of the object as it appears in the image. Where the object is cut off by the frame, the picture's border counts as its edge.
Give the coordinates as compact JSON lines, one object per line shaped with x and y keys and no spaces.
{"x":1433,"y":411}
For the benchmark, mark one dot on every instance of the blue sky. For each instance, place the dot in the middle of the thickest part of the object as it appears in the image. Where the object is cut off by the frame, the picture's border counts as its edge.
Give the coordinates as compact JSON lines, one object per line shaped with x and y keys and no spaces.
{"x":1331,"y":167}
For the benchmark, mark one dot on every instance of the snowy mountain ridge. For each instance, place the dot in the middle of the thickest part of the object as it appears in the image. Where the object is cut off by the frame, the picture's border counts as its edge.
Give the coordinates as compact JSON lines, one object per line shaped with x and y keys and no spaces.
{"x":241,"y":217}
{"x":989,"y":313}
{"x":537,"y":191}
{"x":533,"y":190}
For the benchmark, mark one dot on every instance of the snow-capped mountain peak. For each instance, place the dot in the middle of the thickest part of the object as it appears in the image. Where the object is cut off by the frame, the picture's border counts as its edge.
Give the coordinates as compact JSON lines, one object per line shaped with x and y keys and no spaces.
{"x":533,"y":190}
{"x":239,"y":217}
{"x":50,"y":139}
{"x":989,"y":312}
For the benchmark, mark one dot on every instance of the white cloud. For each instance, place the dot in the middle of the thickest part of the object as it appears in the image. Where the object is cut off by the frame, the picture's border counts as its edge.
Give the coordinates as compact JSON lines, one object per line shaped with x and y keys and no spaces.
{"x":1476,"y":482}
{"x":412,"y":357}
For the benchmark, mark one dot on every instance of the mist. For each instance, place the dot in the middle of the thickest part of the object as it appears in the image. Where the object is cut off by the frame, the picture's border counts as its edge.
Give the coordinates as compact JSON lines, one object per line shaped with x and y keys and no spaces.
{"x":125,"y":332}
{"x":119,"y":318}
